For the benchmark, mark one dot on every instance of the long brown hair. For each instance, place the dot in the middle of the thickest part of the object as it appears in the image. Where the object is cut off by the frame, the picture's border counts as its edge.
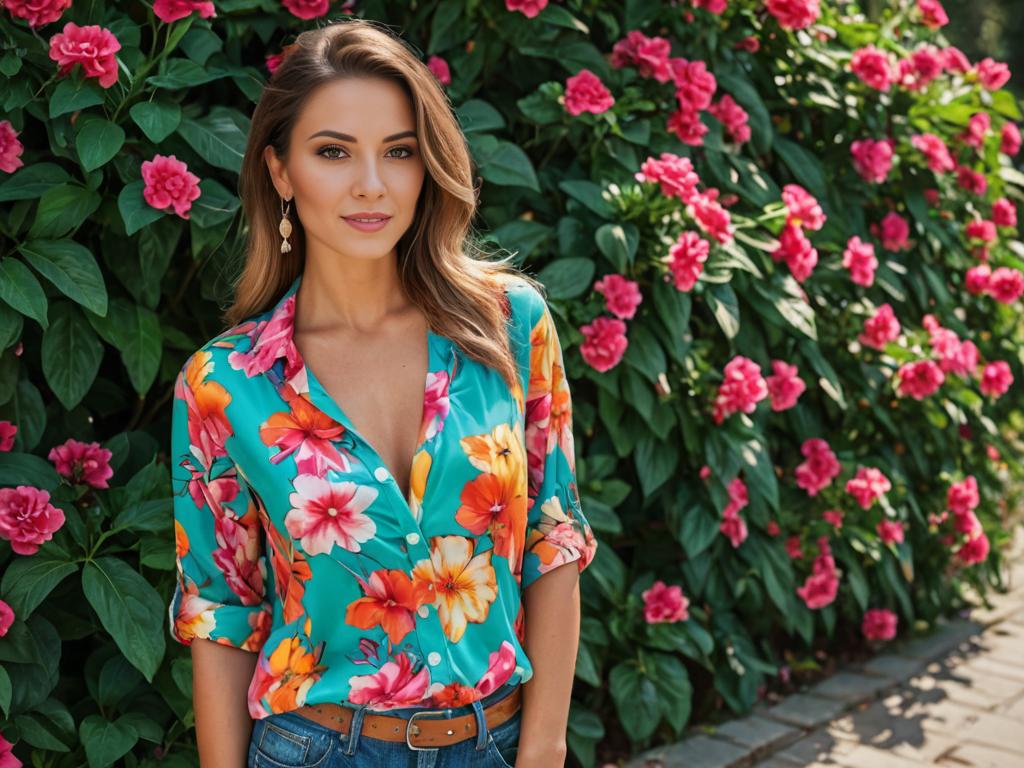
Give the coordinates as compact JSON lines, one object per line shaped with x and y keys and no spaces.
{"x":439,"y":259}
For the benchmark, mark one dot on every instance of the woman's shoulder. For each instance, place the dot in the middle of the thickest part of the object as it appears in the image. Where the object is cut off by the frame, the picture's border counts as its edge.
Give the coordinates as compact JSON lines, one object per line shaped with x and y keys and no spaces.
{"x":526,"y":302}
{"x":221,"y":352}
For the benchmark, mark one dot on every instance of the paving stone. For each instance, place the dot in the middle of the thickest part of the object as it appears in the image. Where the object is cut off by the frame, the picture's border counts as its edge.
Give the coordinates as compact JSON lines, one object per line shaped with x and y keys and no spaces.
{"x":892,"y":666}
{"x":869,"y":757}
{"x":1014,"y":711}
{"x":758,"y":733}
{"x":805,"y":710}
{"x":990,"y":666}
{"x":970,"y":686}
{"x":942,"y":641}
{"x":979,"y":756}
{"x":883,"y":726}
{"x":818,"y":746}
{"x":695,"y":752}
{"x":850,"y":687}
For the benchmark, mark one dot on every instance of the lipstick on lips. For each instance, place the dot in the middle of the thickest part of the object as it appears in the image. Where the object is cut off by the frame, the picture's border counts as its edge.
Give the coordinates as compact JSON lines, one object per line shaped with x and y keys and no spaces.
{"x":367,"y":221}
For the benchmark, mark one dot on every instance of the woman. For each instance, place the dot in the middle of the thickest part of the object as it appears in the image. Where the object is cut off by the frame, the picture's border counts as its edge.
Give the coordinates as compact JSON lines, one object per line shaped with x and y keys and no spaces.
{"x":375,"y":461}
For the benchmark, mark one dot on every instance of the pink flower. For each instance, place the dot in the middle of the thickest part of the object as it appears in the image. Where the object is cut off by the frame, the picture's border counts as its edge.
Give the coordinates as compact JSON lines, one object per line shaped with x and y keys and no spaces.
{"x":890,"y":531}
{"x":10,"y":148}
{"x":772,"y":528}
{"x":169,"y":11}
{"x":93,"y":47}
{"x":793,"y":548}
{"x":1010,"y":139}
{"x":935,"y":151}
{"x":796,"y":249}
{"x":604,"y":343}
{"x":716,"y":7}
{"x":880,"y":329}
{"x":6,"y":619}
{"x":820,"y":468}
{"x":7,"y":758}
{"x":803,"y":209}
{"x":976,"y":279}
{"x":686,"y":259}
{"x":584,"y":92}
{"x":923,"y":66}
{"x":649,"y":55}
{"x":996,"y":379}
{"x":711,"y":217}
{"x":750,"y":44}
{"x":1006,"y":285}
{"x":695,"y":85}
{"x":27,"y":519}
{"x":705,"y":472}
{"x":821,"y":587}
{"x":963,"y":497}
{"x":977,"y":128}
{"x":307,"y":9}
{"x":325,"y":514}
{"x":7,"y":433}
{"x":794,"y":14}
{"x":972,"y":181}
{"x":1004,"y":213}
{"x":741,"y":390}
{"x":529,"y":8}
{"x":36,"y":13}
{"x":920,"y":379}
{"x":992,"y":74}
{"x":622,"y":295}
{"x":440,"y":68}
{"x":169,"y":183}
{"x":733,"y":117}
{"x":873,"y":67}
{"x":833,"y":517}
{"x":954,"y":60}
{"x":867,"y":486}
{"x":879,"y":623}
{"x":872,"y":159}
{"x":974,"y":550}
{"x":79,"y":462}
{"x":981,"y":229}
{"x":894,"y":232}
{"x":664,"y":604}
{"x":785,"y":386}
{"x":733,"y":526}
{"x":933,"y":16}
{"x":859,"y":258}
{"x":675,"y":175}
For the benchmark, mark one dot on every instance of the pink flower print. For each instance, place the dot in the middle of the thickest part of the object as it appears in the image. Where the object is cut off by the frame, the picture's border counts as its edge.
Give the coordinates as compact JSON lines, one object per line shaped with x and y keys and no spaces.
{"x":324,"y":514}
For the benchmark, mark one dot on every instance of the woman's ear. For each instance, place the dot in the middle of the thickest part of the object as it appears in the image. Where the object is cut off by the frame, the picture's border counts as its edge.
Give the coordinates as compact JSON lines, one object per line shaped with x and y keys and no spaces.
{"x":278,"y":172}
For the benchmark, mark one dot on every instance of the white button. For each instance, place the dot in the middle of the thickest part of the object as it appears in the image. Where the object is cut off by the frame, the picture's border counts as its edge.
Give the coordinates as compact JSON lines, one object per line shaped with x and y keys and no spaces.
{"x":412,"y":538}
{"x":381,"y":474}
{"x":434,"y":658}
{"x":423,"y":611}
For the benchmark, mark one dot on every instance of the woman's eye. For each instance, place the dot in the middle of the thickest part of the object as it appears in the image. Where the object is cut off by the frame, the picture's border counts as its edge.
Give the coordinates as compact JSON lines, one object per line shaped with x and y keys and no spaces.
{"x":334,"y":148}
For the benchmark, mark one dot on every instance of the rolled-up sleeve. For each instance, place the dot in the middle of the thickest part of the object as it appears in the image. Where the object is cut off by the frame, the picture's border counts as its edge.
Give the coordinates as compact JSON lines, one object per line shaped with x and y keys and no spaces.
{"x":557,"y":531}
{"x":222,"y":571}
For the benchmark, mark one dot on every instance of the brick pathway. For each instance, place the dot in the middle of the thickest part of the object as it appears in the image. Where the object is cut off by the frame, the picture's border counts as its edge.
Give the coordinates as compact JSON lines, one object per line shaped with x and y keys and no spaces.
{"x":954,"y":698}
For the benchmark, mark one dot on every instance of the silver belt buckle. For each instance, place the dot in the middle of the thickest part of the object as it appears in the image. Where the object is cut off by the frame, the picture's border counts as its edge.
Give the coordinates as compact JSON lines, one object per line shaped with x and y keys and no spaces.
{"x":409,"y":726}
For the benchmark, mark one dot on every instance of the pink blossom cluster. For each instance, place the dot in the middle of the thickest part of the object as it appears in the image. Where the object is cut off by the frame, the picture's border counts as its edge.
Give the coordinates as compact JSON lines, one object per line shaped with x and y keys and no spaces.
{"x":742,"y":389}
{"x":879,"y":624}
{"x":880,"y":328}
{"x":605,"y":339}
{"x":733,"y":527}
{"x":819,"y":468}
{"x":664,"y":603}
{"x":1004,"y":284}
{"x":867,"y":486}
{"x":803,"y":212}
{"x":27,"y":518}
{"x":962,"y":499}
{"x":822,"y":585}
{"x":880,"y":70}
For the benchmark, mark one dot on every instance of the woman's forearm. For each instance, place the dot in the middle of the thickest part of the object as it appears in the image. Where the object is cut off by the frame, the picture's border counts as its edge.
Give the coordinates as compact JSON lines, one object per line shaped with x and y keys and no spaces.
{"x":220,"y":682}
{"x":552,"y":633}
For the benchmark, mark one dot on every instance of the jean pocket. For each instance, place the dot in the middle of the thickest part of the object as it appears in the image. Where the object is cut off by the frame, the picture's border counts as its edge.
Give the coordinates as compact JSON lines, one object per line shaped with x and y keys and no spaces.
{"x":503,"y":741}
{"x":282,"y":744}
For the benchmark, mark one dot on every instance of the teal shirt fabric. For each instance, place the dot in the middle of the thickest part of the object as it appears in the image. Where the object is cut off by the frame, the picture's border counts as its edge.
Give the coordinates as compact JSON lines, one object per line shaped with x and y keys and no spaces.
{"x":294,"y":542}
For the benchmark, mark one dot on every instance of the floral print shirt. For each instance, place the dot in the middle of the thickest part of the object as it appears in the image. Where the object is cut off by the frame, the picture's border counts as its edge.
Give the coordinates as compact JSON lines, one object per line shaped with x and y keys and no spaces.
{"x":294,"y":542}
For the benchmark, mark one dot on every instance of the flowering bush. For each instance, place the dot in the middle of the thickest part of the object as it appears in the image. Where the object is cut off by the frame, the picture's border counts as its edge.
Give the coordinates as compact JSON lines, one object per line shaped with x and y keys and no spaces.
{"x":786,"y":275}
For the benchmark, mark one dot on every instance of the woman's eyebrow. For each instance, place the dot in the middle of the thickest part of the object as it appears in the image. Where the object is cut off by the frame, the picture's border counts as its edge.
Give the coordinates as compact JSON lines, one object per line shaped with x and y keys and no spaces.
{"x":354,"y":140}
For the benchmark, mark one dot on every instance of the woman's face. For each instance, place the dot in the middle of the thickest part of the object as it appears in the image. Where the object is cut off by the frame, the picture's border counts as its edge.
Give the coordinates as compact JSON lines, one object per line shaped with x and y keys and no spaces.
{"x":353,"y":150}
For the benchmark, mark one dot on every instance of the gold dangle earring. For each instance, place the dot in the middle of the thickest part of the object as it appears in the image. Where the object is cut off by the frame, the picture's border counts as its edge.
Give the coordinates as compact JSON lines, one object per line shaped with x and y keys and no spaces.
{"x":285,"y":227}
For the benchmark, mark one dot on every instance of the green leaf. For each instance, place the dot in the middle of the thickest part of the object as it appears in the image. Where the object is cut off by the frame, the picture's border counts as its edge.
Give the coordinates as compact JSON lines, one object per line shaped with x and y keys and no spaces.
{"x":217,"y":139}
{"x":696,"y":530}
{"x":618,"y":242}
{"x":10,"y":326}
{"x":135,"y":211}
{"x":28,"y":580}
{"x":20,"y":289}
{"x":567,"y":278}
{"x":508,"y":165}
{"x":129,"y":608}
{"x":27,"y":469}
{"x":30,"y":182}
{"x":71,"y":355}
{"x":636,"y":700}
{"x":588,"y":193}
{"x":97,"y":142}
{"x":674,"y":689}
{"x":72,"y":270}
{"x":153,"y":515}
{"x":746,"y":95}
{"x":69,"y":96}
{"x":5,"y":692}
{"x":476,"y":115}
{"x":214,"y":205}
{"x":183,"y":73}
{"x":62,"y":209}
{"x":805,"y":165}
{"x":725,"y":307}
{"x":655,"y":461}
{"x":645,"y":354}
{"x":829,"y":380}
{"x":157,"y":119}
{"x":105,"y":742}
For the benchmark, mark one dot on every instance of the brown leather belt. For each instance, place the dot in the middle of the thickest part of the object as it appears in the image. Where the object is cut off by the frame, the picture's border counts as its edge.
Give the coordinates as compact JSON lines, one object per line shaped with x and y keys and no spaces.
{"x":417,"y":731}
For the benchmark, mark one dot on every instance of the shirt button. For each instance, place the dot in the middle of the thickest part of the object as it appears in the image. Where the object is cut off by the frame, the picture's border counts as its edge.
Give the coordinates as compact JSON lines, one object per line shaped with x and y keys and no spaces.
{"x":434,"y":658}
{"x":423,"y":611}
{"x":381,"y":474}
{"x":412,"y":538}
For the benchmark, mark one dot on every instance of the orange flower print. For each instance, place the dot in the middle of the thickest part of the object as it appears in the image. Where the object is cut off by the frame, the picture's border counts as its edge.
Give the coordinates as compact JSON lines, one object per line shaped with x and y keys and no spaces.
{"x":496,"y":504}
{"x":306,"y":433}
{"x":558,"y":538}
{"x":181,"y":543}
{"x":500,"y":452}
{"x":391,"y":601}
{"x":284,"y":677}
{"x":196,"y":616}
{"x":208,"y":425}
{"x":418,"y":482}
{"x":464,"y":585}
{"x":326,"y":513}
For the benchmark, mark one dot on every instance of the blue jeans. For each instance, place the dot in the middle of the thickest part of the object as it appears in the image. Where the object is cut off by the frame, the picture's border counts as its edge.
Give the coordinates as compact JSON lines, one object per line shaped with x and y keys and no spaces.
{"x":289,"y":740}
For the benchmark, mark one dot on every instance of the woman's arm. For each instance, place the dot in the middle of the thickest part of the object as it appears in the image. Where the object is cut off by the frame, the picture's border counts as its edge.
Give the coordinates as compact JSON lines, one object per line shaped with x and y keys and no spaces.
{"x":552,"y":628}
{"x":220,"y":683}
